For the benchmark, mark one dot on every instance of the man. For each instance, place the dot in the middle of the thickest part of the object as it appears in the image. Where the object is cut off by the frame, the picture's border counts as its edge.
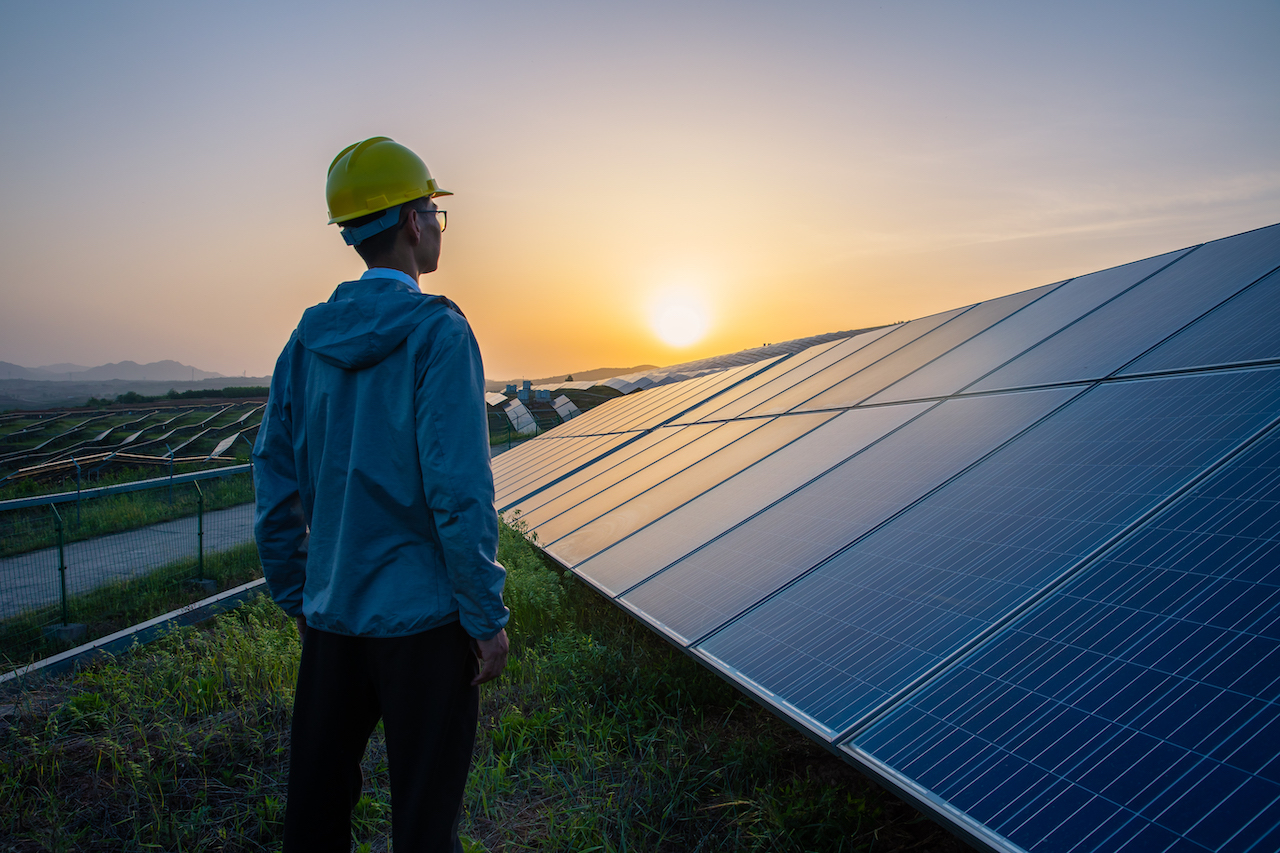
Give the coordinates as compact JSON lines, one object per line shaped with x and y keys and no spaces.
{"x":375,"y":519}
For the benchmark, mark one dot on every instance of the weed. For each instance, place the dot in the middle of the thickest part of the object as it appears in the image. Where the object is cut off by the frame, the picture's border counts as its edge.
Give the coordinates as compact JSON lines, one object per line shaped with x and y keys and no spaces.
{"x":600,"y":737}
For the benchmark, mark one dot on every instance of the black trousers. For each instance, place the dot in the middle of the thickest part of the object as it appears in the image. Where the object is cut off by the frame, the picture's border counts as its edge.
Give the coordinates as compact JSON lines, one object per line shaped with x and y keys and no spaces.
{"x":420,"y":686}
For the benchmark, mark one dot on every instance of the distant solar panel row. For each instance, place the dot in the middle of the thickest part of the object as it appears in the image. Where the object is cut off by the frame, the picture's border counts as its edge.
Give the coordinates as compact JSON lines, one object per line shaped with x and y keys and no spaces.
{"x":1018,"y":559}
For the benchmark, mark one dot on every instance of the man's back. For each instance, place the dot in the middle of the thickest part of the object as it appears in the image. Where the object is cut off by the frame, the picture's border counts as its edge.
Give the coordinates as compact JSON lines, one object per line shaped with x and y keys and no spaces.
{"x":389,"y":446}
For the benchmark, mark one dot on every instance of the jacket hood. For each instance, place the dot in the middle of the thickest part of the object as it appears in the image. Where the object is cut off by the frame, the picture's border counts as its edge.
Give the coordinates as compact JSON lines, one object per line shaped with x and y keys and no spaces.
{"x":364,"y":321}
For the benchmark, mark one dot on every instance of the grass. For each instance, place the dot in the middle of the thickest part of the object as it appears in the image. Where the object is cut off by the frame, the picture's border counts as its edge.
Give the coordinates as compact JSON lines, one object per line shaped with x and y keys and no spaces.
{"x":34,"y":528}
{"x":600,"y":737}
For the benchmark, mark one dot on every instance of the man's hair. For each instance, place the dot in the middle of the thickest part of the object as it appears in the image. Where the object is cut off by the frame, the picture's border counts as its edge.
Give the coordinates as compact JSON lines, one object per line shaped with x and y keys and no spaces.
{"x":381,"y":243}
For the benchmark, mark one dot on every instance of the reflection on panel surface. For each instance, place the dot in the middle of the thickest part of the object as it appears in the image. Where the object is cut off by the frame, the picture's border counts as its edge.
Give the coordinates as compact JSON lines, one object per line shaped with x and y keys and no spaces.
{"x":877,"y":616}
{"x":1140,"y":318}
{"x":591,"y":501}
{"x":923,"y":350}
{"x":891,"y":341}
{"x":683,"y":483}
{"x":987,"y":351}
{"x":559,"y":461}
{"x":753,"y":560}
{"x":1138,"y":704}
{"x":1245,"y":329}
{"x":675,"y":535}
{"x":636,"y":456}
{"x":732,"y":405}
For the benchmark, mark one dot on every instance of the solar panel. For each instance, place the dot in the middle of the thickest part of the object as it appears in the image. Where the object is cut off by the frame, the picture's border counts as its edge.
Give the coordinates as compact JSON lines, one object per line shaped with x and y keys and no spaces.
{"x":683,"y":483}
{"x":897,"y":337}
{"x":800,"y":367}
{"x":1136,"y":707}
{"x":984,"y":352}
{"x":1247,"y":328}
{"x":736,"y":570}
{"x":662,"y":543}
{"x":921,"y":351}
{"x":1139,"y":318}
{"x":554,"y":463}
{"x":879,"y":615}
{"x":649,"y":449}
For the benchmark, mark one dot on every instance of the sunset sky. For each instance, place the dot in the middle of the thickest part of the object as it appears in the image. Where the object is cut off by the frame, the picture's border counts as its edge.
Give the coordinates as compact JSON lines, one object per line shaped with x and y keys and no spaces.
{"x":786,"y":169}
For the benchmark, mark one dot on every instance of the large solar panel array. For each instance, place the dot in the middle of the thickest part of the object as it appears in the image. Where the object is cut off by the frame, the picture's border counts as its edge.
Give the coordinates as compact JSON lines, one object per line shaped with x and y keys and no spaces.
{"x":1019,"y":560}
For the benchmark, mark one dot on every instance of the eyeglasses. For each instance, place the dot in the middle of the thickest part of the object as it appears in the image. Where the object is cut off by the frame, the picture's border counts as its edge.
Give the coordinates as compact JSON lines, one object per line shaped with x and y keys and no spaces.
{"x":442,"y":218}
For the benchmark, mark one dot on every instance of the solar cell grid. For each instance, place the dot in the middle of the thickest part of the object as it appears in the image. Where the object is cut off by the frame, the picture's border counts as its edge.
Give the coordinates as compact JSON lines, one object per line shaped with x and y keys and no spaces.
{"x":745,"y":565}
{"x":556,"y":464}
{"x":730,"y":503}
{"x":1138,"y":319}
{"x":986,"y":351}
{"x":511,"y":464}
{"x":1146,"y":688}
{"x":647,"y":450}
{"x":613,"y":414}
{"x":896,"y":337}
{"x":732,"y":405}
{"x":624,"y":483}
{"x":682,"y":485}
{"x":633,"y":411}
{"x":1247,"y":328}
{"x":762,"y":374}
{"x":868,"y":622}
{"x":669,"y":400}
{"x":922,"y":350}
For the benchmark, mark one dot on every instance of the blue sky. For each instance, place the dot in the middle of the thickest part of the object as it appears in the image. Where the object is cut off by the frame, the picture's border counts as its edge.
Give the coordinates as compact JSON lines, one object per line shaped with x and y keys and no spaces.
{"x":801,"y":167}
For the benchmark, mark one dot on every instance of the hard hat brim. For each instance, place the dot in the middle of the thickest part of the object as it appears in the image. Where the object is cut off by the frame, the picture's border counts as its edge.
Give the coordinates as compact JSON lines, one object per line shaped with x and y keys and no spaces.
{"x":338,"y":220}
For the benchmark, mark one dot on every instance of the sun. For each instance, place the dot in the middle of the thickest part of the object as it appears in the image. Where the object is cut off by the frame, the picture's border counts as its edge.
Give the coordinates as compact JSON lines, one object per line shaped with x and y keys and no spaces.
{"x":680,"y":318}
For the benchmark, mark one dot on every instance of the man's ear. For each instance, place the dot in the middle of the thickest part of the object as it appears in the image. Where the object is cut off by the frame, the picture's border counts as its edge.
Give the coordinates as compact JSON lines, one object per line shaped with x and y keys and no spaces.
{"x":413,"y":226}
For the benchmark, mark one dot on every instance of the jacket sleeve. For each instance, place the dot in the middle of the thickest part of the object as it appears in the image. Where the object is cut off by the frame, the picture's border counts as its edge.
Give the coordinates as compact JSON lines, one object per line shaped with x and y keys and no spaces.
{"x":280,"y":526}
{"x":453,"y":448}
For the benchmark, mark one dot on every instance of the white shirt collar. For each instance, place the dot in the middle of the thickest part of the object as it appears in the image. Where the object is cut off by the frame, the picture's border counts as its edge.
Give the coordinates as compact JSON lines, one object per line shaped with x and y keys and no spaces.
{"x":387,"y":272}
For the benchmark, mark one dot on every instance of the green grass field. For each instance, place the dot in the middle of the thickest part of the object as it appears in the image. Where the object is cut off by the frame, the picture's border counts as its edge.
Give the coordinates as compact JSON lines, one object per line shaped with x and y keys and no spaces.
{"x":600,"y":737}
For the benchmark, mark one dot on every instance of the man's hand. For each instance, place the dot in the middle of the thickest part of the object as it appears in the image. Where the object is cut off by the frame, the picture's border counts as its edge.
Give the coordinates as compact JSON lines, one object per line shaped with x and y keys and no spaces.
{"x":302,"y":627}
{"x":493,"y":657}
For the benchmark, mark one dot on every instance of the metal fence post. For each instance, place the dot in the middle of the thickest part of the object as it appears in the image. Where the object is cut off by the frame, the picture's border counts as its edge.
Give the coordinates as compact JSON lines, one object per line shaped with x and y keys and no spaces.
{"x":77,"y":464}
{"x":170,"y":449}
{"x":199,"y":528}
{"x":62,"y":561}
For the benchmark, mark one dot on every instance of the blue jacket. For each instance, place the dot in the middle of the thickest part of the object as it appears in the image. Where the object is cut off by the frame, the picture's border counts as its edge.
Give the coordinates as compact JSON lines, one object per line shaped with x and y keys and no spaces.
{"x":375,"y":440}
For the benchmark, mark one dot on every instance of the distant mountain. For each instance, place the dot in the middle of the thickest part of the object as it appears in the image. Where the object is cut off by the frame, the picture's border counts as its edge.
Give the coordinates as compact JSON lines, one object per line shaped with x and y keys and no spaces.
{"x":17,"y":371}
{"x":158,"y":371}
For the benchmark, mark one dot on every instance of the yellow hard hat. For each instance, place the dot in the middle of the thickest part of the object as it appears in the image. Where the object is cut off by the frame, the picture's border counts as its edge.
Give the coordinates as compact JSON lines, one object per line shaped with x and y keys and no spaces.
{"x":374,"y":175}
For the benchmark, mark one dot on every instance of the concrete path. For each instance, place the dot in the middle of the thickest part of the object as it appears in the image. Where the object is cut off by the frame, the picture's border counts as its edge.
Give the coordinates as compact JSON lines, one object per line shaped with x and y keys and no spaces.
{"x":31,"y":580}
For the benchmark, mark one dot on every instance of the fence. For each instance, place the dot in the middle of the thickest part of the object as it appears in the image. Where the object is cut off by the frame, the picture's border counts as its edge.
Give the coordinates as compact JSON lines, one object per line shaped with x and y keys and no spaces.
{"x":80,"y":565}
